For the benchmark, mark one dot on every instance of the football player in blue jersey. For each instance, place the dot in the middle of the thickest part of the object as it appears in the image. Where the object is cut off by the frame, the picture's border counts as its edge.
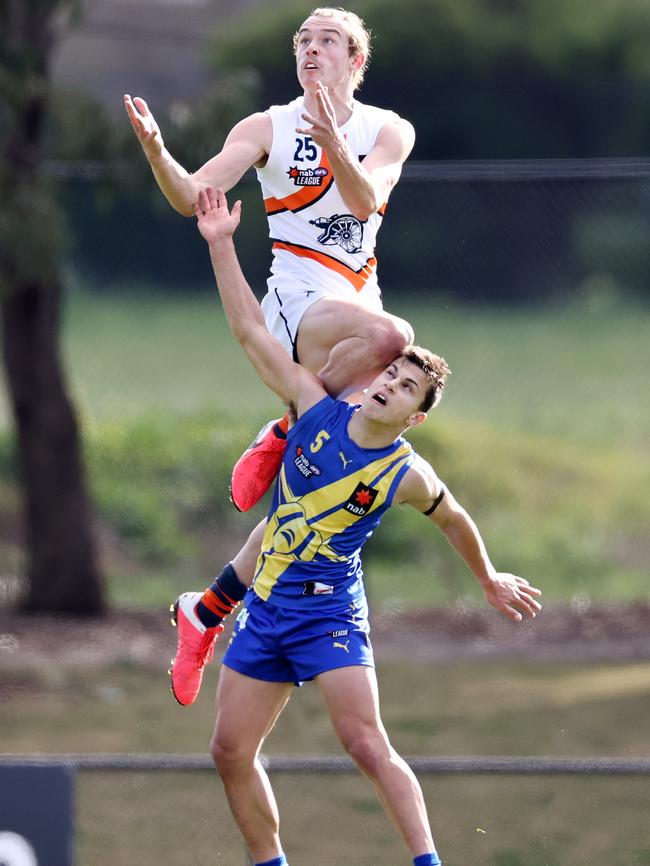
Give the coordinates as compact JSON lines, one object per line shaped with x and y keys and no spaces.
{"x":305,"y":616}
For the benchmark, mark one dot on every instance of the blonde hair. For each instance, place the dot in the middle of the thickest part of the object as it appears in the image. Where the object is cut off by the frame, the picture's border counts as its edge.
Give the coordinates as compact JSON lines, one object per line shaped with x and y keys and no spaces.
{"x":358,"y":34}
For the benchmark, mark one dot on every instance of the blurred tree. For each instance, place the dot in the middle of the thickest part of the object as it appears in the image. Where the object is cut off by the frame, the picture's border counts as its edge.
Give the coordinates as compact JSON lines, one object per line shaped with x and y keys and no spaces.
{"x":62,"y":570}
{"x":483,"y":79}
{"x":110,"y":198}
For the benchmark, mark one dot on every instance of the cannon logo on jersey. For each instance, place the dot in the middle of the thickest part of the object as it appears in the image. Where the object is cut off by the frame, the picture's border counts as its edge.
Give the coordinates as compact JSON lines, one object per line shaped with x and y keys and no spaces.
{"x":304,"y":465}
{"x":307,"y":176}
{"x":361,"y":500}
{"x":343,"y":230}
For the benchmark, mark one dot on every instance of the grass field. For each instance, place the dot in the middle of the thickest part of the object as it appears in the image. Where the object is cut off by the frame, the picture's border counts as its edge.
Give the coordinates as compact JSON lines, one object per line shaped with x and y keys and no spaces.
{"x":329,"y":820}
{"x":543,"y":435}
{"x":495,"y":708}
{"x":484,"y":708}
{"x":568,"y":374}
{"x":543,"y":432}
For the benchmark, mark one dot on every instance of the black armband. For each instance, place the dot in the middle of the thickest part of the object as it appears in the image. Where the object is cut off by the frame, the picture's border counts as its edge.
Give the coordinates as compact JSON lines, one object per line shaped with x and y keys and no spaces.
{"x":436,"y":503}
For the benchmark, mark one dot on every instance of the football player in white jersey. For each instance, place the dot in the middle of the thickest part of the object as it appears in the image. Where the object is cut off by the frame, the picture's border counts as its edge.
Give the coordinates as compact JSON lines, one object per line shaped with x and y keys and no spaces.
{"x":326,"y":164}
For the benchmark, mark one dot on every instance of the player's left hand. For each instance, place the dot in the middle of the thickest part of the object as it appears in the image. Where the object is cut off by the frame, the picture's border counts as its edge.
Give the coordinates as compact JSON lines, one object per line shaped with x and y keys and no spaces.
{"x":513,"y":596}
{"x":214,"y":220}
{"x":323,"y":128}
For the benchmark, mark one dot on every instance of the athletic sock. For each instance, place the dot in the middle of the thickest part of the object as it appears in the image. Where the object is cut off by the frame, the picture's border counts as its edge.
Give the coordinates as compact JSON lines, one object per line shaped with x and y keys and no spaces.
{"x":427,"y":860}
{"x":277,"y":861}
{"x":221,"y":597}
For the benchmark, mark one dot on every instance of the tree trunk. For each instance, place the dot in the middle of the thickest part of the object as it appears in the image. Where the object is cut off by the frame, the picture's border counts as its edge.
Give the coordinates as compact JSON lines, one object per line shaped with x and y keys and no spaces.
{"x":62,"y":572}
{"x":62,"y":568}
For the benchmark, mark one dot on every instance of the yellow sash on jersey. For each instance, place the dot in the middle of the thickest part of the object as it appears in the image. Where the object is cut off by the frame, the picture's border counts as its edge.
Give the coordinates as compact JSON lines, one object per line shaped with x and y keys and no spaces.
{"x":302,"y":527}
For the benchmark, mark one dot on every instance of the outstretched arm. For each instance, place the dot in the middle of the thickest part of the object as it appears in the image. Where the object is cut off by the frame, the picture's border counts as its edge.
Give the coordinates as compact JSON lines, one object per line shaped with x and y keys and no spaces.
{"x":247,"y":144}
{"x":364,"y":186}
{"x":508,"y":593}
{"x":295,"y":384}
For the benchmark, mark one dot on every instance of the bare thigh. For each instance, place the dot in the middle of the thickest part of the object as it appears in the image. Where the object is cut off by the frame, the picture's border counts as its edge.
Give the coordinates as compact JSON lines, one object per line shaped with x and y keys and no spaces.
{"x":246,"y":711}
{"x":352,"y":698}
{"x":349,"y":341}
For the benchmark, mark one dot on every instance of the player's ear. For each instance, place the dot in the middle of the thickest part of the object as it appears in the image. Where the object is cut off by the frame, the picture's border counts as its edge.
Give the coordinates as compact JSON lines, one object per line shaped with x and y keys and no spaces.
{"x":416,"y":419}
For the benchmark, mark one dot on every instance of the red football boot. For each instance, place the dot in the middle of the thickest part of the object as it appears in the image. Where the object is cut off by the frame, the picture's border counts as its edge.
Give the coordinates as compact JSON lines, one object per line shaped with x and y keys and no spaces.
{"x":194,"y":650}
{"x":259,"y":465}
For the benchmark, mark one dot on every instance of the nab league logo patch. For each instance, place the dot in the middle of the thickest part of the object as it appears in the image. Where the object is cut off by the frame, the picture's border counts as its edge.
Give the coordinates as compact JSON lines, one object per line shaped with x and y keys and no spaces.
{"x":361,"y":500}
{"x":307,"y":176}
{"x":304,"y":465}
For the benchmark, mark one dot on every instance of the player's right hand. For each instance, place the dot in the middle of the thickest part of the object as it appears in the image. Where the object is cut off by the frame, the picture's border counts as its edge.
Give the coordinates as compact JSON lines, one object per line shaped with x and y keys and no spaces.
{"x":214,"y":220}
{"x":145,"y":126}
{"x":513,"y":596}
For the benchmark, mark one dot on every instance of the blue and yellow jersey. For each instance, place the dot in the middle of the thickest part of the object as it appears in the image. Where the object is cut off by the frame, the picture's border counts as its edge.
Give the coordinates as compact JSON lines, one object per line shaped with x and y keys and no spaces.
{"x":329,"y":497}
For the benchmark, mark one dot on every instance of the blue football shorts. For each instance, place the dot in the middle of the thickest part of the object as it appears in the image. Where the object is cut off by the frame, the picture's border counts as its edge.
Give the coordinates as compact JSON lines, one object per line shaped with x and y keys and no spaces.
{"x":284,"y":645}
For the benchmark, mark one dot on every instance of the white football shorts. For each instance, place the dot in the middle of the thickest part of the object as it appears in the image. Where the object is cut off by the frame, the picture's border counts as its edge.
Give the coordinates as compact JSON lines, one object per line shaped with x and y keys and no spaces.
{"x":283,"y":308}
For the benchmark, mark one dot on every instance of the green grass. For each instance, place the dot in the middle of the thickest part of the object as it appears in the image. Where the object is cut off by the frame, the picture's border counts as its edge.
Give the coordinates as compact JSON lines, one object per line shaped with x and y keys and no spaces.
{"x":566,"y":374}
{"x":542,"y":435}
{"x":130,"y":356}
{"x":484,"y":708}
{"x":332,"y":819}
{"x":493,"y":708}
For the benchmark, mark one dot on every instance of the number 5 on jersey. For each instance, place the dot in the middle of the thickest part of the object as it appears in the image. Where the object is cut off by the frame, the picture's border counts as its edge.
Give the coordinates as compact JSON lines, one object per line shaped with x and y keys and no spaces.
{"x":321,"y":438}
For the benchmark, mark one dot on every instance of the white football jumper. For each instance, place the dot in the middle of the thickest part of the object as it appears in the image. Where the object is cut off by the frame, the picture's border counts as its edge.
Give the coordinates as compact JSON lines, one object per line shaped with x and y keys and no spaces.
{"x":319,"y":248}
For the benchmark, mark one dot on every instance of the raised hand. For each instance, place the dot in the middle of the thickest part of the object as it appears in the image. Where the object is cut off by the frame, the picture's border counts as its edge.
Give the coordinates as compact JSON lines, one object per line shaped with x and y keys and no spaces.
{"x":144,"y":125}
{"x":214,"y":220}
{"x":323,"y":128}
{"x":513,"y":596}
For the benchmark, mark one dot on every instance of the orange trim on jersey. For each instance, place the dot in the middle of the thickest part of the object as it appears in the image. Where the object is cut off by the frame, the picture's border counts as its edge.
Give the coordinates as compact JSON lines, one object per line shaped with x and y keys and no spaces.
{"x":305,"y":196}
{"x":357,"y":278}
{"x":382,"y":209}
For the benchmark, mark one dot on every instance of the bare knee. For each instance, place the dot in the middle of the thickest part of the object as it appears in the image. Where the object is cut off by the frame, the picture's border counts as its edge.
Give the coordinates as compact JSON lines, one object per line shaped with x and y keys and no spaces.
{"x":228,"y":757}
{"x":369,"y":749}
{"x":406,"y":331}
{"x":219,"y":752}
{"x":388,"y":336}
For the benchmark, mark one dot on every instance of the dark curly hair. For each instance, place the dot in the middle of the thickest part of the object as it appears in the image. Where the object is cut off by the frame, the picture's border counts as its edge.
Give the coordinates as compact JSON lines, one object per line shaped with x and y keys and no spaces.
{"x":435,"y":369}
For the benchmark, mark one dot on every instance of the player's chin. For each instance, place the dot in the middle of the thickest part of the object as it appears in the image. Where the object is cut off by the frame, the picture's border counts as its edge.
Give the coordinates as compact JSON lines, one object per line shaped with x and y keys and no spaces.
{"x":310,"y":81}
